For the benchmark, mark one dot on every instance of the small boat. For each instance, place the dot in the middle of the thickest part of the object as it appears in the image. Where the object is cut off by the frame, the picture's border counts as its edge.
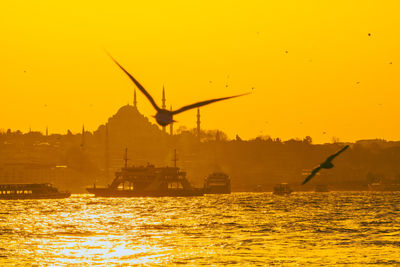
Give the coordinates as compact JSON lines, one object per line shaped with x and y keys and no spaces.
{"x":258,"y":188}
{"x":282,"y":189}
{"x":321,"y":188}
{"x":383,"y":187}
{"x":31,"y":191}
{"x":217,"y":183}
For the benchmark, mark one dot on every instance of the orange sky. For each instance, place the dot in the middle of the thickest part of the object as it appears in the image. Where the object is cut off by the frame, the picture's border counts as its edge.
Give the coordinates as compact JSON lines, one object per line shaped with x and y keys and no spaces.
{"x":334,"y":78}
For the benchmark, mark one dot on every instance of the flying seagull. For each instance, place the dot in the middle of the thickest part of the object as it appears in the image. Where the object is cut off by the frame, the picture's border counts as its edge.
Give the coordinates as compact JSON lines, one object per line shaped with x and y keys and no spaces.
{"x":327,"y":164}
{"x":164,"y":116}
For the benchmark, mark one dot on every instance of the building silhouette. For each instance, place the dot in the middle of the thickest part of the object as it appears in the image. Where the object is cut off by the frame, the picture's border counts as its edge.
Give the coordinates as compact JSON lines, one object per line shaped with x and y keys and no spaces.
{"x":198,"y":124}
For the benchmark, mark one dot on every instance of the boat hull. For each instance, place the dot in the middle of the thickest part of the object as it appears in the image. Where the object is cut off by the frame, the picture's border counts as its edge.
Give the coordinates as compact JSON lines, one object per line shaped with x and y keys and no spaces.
{"x":35,"y":196}
{"x":217,"y":190}
{"x":321,"y":189}
{"x":282,"y":193}
{"x":105,"y":192}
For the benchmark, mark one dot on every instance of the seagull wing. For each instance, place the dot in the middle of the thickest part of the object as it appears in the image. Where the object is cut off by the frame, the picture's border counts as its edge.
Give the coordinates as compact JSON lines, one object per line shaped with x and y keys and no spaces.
{"x":313,"y":173}
{"x":141,"y":88}
{"x":203,"y":103}
{"x":331,"y":157}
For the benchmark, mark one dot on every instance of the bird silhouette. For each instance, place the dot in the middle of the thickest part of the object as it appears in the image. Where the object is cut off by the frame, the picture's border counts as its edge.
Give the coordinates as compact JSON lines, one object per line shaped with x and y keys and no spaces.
{"x":327,"y":164}
{"x":164,"y":116}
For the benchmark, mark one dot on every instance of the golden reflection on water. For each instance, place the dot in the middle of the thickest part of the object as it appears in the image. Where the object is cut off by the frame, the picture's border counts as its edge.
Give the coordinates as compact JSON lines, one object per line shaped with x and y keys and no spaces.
{"x":242,"y":229}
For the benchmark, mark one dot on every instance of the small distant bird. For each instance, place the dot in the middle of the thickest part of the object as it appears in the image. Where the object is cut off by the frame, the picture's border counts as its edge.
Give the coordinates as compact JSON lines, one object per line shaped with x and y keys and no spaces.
{"x":252,"y":88}
{"x":390,"y":63}
{"x":24,"y":71}
{"x":369,"y":34}
{"x":164,"y":116}
{"x":210,"y":81}
{"x":357,"y":82}
{"x":323,"y":132}
{"x":327,"y":164}
{"x":226,"y":85}
{"x":286,"y":51}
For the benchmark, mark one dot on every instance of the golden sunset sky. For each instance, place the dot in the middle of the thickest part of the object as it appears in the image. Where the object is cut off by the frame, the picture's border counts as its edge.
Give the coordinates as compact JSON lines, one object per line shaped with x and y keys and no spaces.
{"x":334,"y":77}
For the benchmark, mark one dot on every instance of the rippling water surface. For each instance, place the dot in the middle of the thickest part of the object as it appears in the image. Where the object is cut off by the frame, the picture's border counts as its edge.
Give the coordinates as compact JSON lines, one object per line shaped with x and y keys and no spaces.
{"x":242,"y":228}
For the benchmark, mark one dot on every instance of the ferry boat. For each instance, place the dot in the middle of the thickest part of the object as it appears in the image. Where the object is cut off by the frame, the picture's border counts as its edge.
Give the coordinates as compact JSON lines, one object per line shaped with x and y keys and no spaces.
{"x":148,"y":181}
{"x":31,"y":191}
{"x":282,"y":189}
{"x":217,"y":183}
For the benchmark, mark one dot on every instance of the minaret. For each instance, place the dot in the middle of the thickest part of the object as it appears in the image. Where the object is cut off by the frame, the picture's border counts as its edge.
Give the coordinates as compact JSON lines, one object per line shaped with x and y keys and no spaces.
{"x":83,"y":137}
{"x":198,"y":123}
{"x":163,"y":98}
{"x":126,"y":157}
{"x":134,"y":99}
{"x":107,"y":156}
{"x":163,"y":103}
{"x":171,"y":126}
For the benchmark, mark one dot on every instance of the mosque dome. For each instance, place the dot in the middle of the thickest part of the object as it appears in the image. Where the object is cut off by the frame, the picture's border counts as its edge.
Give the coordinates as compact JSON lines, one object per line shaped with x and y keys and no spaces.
{"x":128,"y":125}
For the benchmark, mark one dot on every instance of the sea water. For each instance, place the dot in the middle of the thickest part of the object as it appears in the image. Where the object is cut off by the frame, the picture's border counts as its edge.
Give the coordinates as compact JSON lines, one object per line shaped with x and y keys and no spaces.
{"x":243,"y":229}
